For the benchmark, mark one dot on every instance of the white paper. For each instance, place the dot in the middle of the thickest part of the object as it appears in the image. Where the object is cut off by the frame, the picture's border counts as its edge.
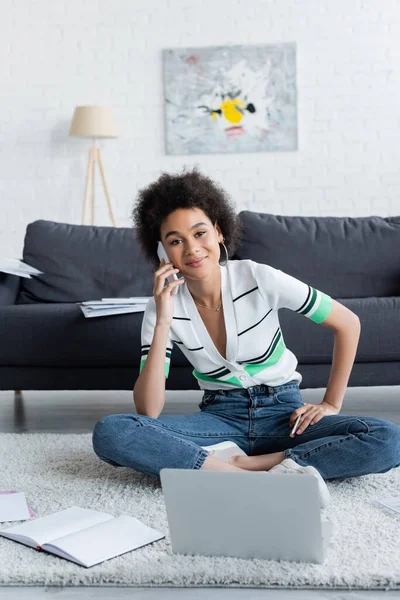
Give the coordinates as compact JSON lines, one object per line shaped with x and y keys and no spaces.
{"x":15,"y":266}
{"x":115,"y":302}
{"x":106,"y":540}
{"x":104,"y":305}
{"x":112,"y":311}
{"x":13,"y":507}
{"x":393,"y":503}
{"x":64,"y":522}
{"x":135,"y":299}
{"x":17,"y":273}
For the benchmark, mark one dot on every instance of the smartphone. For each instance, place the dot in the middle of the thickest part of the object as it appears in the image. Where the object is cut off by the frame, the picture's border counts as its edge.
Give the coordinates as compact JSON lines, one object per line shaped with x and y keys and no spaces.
{"x":162,"y":254}
{"x":295,"y":426}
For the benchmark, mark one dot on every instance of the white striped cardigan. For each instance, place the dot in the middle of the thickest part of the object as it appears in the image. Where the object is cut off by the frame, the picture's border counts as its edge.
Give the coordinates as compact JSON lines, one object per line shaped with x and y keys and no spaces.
{"x":256,"y":353}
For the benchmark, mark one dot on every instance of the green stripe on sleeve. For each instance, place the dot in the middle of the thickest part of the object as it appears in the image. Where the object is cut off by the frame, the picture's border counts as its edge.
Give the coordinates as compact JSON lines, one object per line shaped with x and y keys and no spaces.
{"x":323,"y":310}
{"x":167,"y":365}
{"x":166,"y":368}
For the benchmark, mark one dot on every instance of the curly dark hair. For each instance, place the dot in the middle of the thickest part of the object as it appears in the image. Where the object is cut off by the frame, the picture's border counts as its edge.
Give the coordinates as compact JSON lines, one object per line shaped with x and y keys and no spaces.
{"x":189,"y":189}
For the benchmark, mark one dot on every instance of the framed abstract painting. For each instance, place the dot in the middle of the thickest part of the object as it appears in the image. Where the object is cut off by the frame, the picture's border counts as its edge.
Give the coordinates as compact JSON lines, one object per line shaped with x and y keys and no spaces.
{"x":230,"y":99}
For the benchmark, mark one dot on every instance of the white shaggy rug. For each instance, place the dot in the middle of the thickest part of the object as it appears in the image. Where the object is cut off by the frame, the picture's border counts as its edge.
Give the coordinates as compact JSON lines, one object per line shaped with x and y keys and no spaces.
{"x":58,"y":471}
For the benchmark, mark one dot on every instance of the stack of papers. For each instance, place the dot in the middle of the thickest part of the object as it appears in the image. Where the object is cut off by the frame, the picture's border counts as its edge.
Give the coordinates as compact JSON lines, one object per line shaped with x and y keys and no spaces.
{"x":113,"y":306}
{"x":14,"y":266}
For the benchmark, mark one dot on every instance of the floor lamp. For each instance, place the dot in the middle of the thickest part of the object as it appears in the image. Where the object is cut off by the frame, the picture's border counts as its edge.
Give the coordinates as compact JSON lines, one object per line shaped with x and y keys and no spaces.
{"x":94,"y":122}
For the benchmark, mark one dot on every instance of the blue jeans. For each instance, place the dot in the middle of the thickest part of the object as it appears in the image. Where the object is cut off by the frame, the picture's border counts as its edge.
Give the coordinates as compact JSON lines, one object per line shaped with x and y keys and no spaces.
{"x":257,"y":419}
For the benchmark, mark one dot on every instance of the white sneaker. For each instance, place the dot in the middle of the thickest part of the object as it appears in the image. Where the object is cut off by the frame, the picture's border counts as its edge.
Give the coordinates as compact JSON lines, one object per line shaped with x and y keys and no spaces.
{"x":224,"y":450}
{"x":289,"y":466}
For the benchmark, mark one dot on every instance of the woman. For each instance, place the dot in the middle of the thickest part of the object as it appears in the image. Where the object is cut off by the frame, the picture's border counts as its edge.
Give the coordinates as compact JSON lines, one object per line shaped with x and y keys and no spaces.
{"x":223,"y":316}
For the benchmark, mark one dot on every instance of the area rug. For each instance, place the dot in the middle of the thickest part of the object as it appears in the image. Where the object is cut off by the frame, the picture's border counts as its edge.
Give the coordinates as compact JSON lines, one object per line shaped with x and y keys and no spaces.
{"x":58,"y":471}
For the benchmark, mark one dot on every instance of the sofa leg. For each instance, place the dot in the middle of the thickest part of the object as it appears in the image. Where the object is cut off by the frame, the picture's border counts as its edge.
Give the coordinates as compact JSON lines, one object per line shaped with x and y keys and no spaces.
{"x":19,"y":412}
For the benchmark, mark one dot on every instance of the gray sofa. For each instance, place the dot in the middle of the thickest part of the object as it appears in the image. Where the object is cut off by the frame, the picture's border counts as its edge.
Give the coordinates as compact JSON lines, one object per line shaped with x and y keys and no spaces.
{"x":46,"y":343}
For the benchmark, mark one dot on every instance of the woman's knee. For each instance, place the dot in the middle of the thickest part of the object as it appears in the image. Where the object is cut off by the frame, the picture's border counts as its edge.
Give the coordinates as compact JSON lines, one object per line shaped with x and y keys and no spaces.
{"x":389,"y":434}
{"x":111,"y":429}
{"x":387,"y":431}
{"x":392,"y":434}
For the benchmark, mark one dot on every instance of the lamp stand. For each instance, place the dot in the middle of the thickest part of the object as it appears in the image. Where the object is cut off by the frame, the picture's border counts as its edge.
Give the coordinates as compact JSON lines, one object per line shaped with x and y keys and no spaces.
{"x":94,"y":157}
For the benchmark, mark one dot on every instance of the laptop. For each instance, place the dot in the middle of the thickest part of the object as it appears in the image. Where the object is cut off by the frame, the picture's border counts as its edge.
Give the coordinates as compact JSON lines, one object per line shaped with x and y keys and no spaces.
{"x":247,"y":515}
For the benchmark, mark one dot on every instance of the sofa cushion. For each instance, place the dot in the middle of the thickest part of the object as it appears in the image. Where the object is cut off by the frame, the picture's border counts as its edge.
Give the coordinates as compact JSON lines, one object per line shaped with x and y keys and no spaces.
{"x":9,"y":288}
{"x":58,"y":335}
{"x":345,"y":257}
{"x":83,"y":262}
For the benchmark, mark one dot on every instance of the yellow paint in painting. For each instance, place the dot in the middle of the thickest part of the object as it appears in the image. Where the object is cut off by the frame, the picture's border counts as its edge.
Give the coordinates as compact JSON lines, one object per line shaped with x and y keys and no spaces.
{"x":214,"y":115}
{"x":230,"y":112}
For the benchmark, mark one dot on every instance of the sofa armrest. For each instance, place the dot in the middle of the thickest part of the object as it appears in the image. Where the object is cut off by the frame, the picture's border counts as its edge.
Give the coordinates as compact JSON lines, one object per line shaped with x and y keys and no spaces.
{"x":9,"y":288}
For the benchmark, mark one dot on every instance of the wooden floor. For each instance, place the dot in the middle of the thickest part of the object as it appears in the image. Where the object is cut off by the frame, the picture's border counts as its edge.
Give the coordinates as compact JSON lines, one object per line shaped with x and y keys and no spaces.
{"x":77,"y":412}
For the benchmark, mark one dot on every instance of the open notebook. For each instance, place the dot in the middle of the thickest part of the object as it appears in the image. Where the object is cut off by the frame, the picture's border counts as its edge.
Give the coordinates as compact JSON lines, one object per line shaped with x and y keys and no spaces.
{"x":86,"y":537}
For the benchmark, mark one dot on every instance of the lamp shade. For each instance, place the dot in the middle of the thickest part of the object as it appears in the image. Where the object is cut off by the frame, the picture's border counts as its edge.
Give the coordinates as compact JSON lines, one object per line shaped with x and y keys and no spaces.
{"x":93,"y":121}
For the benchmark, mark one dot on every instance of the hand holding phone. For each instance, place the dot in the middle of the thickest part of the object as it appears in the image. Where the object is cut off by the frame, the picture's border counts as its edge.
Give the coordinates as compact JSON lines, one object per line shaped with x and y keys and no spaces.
{"x":163,"y":255}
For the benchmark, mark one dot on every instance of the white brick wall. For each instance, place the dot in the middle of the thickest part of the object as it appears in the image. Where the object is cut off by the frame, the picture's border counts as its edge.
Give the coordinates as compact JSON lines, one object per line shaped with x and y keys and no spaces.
{"x":59,"y":54}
